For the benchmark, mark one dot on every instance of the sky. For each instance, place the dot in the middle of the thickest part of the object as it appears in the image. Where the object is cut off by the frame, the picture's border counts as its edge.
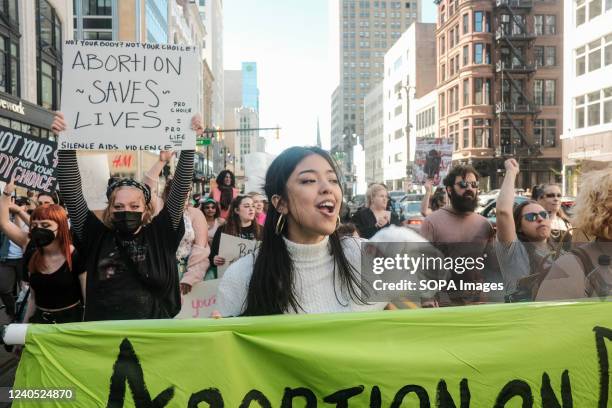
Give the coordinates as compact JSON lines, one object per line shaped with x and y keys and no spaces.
{"x":295,"y":46}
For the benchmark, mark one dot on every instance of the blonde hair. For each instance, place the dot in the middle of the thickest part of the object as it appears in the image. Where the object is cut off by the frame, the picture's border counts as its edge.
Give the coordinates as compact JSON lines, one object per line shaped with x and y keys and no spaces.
{"x":372,"y":190}
{"x":593,"y":209}
{"x":107,"y":216}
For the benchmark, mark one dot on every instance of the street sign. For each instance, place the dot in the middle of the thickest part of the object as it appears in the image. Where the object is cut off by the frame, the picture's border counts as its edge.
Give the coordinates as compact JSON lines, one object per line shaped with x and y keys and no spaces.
{"x":203,"y":142}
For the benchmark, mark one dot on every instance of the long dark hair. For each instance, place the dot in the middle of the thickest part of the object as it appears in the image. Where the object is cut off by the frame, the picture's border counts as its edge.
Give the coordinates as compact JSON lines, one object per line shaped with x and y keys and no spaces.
{"x":234,"y":225}
{"x":271,"y":290}
{"x":227,"y":192}
{"x":438,"y":199}
{"x":213,"y":202}
{"x":535,"y":261}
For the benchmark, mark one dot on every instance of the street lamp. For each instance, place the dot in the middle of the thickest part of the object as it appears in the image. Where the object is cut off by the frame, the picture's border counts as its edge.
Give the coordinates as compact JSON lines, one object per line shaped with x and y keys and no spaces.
{"x":407,"y":89}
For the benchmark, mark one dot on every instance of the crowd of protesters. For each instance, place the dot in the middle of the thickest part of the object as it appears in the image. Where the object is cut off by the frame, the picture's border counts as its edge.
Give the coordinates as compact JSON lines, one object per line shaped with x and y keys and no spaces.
{"x":151,"y":247}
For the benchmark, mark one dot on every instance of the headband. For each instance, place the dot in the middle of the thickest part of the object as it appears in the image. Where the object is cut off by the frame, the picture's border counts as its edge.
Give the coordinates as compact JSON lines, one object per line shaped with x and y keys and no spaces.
{"x":129,"y":183}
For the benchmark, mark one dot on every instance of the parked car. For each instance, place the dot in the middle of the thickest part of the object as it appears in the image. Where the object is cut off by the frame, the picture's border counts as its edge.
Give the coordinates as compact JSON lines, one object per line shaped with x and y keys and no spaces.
{"x":486,"y":198}
{"x":356,"y":203}
{"x":411,"y":214}
{"x":397,"y":195}
{"x":489,"y":210}
{"x":412,"y":197}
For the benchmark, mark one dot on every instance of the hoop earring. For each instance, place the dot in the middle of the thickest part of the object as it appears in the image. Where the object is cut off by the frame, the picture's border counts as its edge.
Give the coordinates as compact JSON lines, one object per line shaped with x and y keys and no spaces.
{"x":280,"y":224}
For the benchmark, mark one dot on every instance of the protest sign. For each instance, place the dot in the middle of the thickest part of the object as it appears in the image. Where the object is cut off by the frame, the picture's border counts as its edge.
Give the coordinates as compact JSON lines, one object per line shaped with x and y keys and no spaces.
{"x":233,"y":248}
{"x":200,"y":302}
{"x":30,"y":160}
{"x":256,"y":165}
{"x":510,"y":355}
{"x":94,"y":176}
{"x":433,"y":159}
{"x":129,"y":96}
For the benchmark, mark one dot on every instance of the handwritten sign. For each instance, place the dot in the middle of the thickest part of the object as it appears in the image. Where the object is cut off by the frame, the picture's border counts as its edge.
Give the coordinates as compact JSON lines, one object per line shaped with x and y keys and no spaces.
{"x":31,"y":160}
{"x":94,"y":175}
{"x":129,"y":96}
{"x":233,"y":248}
{"x":200,"y":302}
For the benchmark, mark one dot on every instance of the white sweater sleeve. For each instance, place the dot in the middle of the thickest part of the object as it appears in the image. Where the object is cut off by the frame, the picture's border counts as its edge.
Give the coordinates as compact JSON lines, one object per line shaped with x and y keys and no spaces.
{"x":233,"y":288}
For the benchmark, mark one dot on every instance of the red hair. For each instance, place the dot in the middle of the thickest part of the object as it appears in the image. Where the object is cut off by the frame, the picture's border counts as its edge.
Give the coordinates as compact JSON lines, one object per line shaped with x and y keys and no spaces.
{"x":55,"y":213}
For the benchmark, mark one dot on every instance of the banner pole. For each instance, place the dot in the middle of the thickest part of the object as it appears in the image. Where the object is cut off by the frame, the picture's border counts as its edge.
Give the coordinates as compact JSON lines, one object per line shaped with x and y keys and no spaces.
{"x":14,"y":334}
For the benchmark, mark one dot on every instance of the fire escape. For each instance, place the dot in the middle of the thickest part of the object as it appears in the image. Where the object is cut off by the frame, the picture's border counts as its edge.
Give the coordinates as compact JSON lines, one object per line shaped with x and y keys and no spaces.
{"x":514,"y":70}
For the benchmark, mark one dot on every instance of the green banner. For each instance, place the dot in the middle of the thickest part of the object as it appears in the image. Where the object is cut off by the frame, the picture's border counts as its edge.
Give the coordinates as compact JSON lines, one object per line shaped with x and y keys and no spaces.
{"x":516,"y":355}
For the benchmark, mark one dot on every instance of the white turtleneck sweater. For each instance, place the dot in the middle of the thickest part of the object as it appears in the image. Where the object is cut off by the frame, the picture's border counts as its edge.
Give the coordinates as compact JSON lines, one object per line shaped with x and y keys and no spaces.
{"x":313,"y":268}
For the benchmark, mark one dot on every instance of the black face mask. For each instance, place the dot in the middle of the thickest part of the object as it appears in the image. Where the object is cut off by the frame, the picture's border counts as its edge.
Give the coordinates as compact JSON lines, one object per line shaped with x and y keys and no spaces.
{"x":127,"y":222}
{"x":41,"y":237}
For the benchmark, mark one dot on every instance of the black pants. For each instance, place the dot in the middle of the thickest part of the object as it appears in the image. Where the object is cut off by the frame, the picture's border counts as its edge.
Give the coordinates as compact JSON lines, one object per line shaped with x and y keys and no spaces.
{"x":10,"y":273}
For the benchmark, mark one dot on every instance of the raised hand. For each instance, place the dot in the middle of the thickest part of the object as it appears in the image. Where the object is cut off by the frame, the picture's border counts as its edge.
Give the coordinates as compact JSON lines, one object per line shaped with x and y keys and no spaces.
{"x":59,"y":123}
{"x":511,"y":165}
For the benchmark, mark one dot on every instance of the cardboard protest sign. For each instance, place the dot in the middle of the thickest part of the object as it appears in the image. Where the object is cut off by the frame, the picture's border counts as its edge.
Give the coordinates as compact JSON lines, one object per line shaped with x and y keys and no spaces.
{"x":29,"y":159}
{"x":233,"y":248}
{"x":511,"y":355}
{"x":94,"y":176}
{"x":129,"y":96}
{"x":433,"y":158}
{"x":200,"y":302}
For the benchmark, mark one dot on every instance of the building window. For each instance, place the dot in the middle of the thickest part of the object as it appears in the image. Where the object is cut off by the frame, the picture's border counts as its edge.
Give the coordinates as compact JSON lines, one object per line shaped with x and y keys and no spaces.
{"x":550,"y":56}
{"x":466,"y":92}
{"x":442,"y":72}
{"x":466,"y":133}
{"x":482,"y":132}
{"x":545,"y":24}
{"x":579,"y":111}
{"x":466,"y":55}
{"x":545,"y":132}
{"x":9,"y":48}
{"x":442,"y":98}
{"x":580,"y":12}
{"x":482,"y":22}
{"x":594,"y":55}
{"x":594,"y":8}
{"x":580,"y":61}
{"x":96,"y":19}
{"x":398,"y":133}
{"x":482,"y":53}
{"x":544,"y":92}
{"x":49,"y":55}
{"x":593,"y":109}
{"x":442,"y":45}
{"x":466,"y":19}
{"x":607,"y":105}
{"x":482,"y":91}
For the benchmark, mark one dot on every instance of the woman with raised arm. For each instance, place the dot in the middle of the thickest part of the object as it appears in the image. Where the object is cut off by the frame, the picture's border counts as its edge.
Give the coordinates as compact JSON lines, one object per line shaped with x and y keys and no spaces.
{"x":523,"y":247}
{"x":54,"y":268}
{"x":130,"y":256}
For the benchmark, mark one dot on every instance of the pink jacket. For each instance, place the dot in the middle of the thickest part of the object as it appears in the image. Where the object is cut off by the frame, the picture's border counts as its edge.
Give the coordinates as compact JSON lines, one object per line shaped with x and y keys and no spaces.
{"x":216,"y":195}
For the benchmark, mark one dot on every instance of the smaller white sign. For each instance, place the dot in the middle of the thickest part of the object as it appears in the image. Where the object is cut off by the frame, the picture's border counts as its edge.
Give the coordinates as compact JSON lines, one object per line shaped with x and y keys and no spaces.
{"x":233,"y":248}
{"x":94,"y":177}
{"x":200,"y":302}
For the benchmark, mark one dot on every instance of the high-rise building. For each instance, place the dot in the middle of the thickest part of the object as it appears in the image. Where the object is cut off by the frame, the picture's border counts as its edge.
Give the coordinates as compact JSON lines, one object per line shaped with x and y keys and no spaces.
{"x":156,"y":20}
{"x":32,"y":33}
{"x":225,"y":148}
{"x":211,"y":12}
{"x":500,"y":85}
{"x":587,"y":107}
{"x":407,"y":76}
{"x":367,"y":30}
{"x":250,"y":92}
{"x":95,"y":20}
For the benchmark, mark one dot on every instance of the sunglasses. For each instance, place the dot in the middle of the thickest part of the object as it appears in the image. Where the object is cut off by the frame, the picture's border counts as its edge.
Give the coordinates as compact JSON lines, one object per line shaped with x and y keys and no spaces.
{"x":533,"y":216}
{"x":465,"y":184}
{"x":552,"y":195}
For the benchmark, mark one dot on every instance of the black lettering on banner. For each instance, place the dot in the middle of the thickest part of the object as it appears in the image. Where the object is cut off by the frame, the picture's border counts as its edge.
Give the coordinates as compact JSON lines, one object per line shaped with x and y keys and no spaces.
{"x":127,"y":368}
{"x":407,"y":389}
{"x":375,"y":398}
{"x":340,"y":398}
{"x":549,"y":399}
{"x":212,"y":396}
{"x":602,"y":333}
{"x":301,"y":392}
{"x":445,"y":400}
{"x":515,"y":388}
{"x":30,"y":160}
{"x":255,"y":396}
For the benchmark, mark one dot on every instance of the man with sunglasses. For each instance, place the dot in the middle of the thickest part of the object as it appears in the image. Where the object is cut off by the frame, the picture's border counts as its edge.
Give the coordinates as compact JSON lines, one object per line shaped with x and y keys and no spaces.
{"x":459,"y":232}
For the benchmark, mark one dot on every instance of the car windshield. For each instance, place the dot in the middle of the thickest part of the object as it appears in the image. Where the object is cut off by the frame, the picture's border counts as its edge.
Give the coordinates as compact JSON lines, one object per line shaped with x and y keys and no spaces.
{"x":412,"y":208}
